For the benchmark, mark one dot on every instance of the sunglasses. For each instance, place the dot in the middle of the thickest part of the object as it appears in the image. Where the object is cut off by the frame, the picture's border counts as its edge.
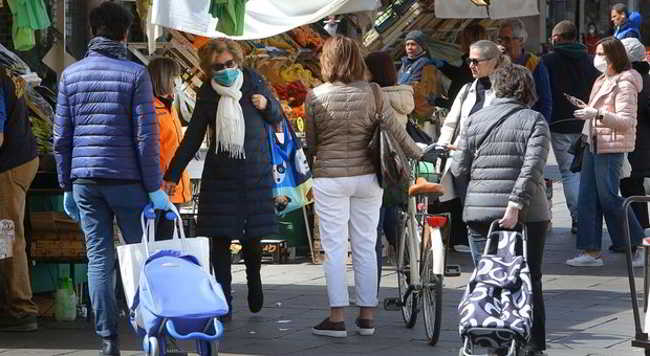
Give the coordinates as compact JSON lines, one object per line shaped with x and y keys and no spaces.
{"x":475,"y":61}
{"x":221,"y":66}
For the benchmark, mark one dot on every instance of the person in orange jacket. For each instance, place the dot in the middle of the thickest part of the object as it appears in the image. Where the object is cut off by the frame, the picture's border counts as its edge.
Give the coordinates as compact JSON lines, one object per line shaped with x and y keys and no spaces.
{"x":163,"y":71}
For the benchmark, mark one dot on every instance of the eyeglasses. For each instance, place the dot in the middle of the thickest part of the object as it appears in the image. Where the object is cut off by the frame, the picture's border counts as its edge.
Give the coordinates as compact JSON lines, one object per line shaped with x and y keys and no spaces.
{"x":221,"y":66}
{"x":475,"y":61}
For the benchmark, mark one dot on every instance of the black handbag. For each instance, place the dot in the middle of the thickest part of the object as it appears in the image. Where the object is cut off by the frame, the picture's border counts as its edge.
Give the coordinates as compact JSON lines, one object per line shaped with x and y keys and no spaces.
{"x":578,"y":152}
{"x":390,"y":160}
{"x":417,"y":134}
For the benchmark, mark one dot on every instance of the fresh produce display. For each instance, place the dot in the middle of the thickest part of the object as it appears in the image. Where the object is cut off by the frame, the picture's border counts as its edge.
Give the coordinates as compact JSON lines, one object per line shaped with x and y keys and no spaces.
{"x":296,"y":72}
{"x":307,"y":37}
{"x":294,"y":93}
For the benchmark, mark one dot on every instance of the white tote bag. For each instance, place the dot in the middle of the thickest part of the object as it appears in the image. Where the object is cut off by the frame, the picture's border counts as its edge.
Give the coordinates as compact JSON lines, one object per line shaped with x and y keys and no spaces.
{"x":132,"y":257}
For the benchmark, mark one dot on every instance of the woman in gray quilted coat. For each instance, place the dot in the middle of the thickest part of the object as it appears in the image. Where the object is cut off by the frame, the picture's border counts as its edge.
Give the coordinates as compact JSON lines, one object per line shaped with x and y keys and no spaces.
{"x":500,"y":165}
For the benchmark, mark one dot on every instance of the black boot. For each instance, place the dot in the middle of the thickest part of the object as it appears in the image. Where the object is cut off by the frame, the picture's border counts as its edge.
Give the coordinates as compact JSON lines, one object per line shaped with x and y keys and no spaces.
{"x":253,"y":258}
{"x":255,"y":293}
{"x":110,"y":347}
{"x":221,"y":262}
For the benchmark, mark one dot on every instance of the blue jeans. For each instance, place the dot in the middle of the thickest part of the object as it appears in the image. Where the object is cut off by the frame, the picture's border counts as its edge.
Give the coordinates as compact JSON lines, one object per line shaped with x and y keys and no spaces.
{"x":599,"y":184}
{"x":98,"y":205}
{"x":570,"y":181}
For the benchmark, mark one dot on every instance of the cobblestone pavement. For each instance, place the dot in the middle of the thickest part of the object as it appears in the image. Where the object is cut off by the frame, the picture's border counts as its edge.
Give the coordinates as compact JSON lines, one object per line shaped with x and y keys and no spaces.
{"x":588,"y":313}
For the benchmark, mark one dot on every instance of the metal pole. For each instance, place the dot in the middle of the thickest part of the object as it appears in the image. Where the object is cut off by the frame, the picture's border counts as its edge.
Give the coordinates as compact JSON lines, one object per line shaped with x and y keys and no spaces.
{"x":543,"y":10}
{"x":639,"y":334}
{"x":581,"y":18}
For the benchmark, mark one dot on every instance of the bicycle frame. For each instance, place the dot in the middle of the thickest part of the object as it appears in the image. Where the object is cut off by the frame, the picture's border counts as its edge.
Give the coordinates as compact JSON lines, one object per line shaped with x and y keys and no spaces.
{"x":419,"y":242}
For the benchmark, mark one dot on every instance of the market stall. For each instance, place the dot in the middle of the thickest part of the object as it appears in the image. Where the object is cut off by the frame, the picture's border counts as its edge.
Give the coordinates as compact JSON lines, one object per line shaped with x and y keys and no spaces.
{"x":280,"y":40}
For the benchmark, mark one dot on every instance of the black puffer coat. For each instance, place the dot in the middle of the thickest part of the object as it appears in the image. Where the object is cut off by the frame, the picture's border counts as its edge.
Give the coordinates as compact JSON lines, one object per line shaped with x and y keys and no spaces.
{"x":639,"y":159}
{"x":504,"y":165}
{"x":236,"y":194}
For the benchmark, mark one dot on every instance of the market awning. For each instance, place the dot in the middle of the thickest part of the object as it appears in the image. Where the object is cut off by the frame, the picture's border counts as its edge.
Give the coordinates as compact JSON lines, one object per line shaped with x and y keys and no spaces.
{"x":498,"y":9}
{"x":263,"y":18}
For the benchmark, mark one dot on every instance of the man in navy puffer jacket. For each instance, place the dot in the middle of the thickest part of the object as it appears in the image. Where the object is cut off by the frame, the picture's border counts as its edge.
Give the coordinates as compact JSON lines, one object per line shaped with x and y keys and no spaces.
{"x":107,"y":145}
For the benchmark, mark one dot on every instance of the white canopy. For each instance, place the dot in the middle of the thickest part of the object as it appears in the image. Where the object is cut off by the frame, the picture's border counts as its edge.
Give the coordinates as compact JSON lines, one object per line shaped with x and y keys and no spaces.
{"x":263,"y":18}
{"x":499,"y":9}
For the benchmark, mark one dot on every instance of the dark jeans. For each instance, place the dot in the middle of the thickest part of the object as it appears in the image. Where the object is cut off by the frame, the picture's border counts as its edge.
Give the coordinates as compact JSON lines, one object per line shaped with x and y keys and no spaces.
{"x":222,"y":261}
{"x":98,"y":205}
{"x":634,"y":186}
{"x":390,"y":225}
{"x":458,"y":227}
{"x":599,"y":186}
{"x":535,"y":251}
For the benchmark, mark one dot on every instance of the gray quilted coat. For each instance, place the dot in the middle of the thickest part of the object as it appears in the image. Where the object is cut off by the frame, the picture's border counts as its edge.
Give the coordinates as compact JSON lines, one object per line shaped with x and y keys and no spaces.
{"x":509,"y":165}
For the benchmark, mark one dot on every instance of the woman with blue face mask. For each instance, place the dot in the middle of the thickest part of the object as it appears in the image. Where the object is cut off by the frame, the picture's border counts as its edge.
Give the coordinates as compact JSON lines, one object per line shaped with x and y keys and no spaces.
{"x":236,"y":199}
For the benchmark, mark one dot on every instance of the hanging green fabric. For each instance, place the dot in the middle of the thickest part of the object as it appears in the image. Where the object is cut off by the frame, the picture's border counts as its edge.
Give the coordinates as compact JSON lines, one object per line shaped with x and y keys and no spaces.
{"x":230,"y":14}
{"x":28,"y":15}
{"x":24,"y":39}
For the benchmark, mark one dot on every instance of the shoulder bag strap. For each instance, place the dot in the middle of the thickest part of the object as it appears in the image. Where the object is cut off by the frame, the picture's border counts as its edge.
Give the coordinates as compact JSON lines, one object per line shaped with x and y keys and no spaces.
{"x":463,"y":97}
{"x":379,"y":101}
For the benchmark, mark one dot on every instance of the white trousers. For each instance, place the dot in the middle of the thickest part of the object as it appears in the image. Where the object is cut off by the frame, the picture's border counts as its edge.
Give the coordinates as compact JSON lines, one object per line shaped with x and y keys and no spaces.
{"x":348,"y":207}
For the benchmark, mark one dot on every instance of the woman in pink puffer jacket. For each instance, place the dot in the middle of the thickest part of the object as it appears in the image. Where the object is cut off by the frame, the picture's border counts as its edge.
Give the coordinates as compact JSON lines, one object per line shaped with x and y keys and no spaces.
{"x":611,"y":131}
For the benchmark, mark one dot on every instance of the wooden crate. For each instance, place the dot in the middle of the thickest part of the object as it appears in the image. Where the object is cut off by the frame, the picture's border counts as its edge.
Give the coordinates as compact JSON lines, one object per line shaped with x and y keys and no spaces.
{"x":52,"y":222}
{"x":61,"y":249}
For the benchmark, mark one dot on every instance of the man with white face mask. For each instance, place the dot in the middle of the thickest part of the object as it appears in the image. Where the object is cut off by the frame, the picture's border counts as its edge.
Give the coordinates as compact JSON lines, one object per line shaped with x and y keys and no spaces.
{"x":570,"y":72}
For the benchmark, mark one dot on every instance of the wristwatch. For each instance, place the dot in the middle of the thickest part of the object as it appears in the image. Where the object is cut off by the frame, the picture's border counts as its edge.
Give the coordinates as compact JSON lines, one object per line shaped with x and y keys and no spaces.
{"x":599,"y":116}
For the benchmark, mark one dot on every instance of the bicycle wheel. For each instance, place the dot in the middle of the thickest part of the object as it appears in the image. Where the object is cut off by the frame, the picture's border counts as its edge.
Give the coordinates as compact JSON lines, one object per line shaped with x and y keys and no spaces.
{"x":409,"y":308}
{"x":431,"y":300}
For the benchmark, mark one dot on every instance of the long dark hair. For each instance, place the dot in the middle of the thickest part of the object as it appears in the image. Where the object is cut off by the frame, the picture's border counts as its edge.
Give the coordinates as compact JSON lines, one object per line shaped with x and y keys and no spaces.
{"x":615,"y":53}
{"x":381,"y":67}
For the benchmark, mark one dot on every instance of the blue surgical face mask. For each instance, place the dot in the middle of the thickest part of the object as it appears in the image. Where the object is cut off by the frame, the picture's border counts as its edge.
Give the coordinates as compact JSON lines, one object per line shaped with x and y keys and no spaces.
{"x":226,"y":77}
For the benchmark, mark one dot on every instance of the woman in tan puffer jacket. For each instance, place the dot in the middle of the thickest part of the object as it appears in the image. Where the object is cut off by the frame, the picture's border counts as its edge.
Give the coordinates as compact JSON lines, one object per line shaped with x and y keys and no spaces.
{"x":341,"y":118}
{"x":611,"y":118}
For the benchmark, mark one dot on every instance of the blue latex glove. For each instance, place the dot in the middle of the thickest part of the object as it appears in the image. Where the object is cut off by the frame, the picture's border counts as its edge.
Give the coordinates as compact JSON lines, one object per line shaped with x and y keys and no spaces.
{"x":150,"y":213}
{"x":70,"y":206}
{"x":159,"y":199}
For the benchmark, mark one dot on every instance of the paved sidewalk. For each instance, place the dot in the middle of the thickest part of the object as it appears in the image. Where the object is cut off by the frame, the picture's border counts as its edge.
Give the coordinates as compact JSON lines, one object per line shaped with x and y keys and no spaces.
{"x":588,"y":313}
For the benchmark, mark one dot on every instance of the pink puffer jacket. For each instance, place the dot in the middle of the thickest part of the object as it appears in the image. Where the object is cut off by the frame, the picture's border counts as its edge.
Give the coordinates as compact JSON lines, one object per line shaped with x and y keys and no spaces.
{"x":616,"y":98}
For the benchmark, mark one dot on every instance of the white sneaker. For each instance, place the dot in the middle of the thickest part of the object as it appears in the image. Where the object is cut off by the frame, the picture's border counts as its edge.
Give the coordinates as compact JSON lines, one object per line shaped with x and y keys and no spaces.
{"x":585,"y":260}
{"x":638,"y":260}
{"x":462,"y":249}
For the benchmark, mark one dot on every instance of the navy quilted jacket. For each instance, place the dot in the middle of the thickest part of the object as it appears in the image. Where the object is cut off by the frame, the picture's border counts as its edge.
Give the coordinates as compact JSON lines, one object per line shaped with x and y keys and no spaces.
{"x":105,"y":124}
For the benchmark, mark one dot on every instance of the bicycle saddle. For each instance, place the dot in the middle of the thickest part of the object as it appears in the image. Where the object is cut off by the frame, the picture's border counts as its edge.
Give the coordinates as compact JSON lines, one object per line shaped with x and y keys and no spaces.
{"x":422,"y":186}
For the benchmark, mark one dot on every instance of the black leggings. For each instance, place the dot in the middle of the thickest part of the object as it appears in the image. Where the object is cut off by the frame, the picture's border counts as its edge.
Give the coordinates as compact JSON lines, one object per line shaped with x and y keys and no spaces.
{"x":222,"y":261}
{"x":458,"y":227}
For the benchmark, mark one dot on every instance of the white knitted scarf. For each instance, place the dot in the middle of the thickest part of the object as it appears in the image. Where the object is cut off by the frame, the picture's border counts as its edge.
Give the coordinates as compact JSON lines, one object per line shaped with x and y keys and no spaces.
{"x":230,"y":128}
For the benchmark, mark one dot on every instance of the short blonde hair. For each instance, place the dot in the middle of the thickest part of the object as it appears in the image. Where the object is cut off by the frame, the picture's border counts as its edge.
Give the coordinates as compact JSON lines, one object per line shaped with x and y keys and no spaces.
{"x":217,"y":47}
{"x":341,"y":60}
{"x":162,"y":71}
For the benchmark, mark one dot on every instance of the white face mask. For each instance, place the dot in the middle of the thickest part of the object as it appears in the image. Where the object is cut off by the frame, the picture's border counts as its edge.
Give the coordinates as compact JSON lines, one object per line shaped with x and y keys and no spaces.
{"x":600,"y":63}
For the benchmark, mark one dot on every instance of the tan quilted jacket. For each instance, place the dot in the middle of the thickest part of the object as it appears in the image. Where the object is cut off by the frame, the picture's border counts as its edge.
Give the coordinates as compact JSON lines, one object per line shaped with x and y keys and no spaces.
{"x":340,"y":123}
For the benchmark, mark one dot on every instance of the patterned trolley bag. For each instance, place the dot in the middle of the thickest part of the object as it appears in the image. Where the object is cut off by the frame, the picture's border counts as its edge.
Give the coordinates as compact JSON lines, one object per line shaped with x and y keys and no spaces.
{"x":496,"y":312}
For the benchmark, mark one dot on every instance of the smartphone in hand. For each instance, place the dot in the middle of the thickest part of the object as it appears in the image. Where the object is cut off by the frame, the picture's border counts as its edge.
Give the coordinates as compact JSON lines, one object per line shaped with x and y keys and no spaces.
{"x":575,"y":101}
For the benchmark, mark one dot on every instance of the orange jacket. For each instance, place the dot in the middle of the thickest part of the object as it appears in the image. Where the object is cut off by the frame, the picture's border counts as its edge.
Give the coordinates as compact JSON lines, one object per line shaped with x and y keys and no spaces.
{"x":171,"y":135}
